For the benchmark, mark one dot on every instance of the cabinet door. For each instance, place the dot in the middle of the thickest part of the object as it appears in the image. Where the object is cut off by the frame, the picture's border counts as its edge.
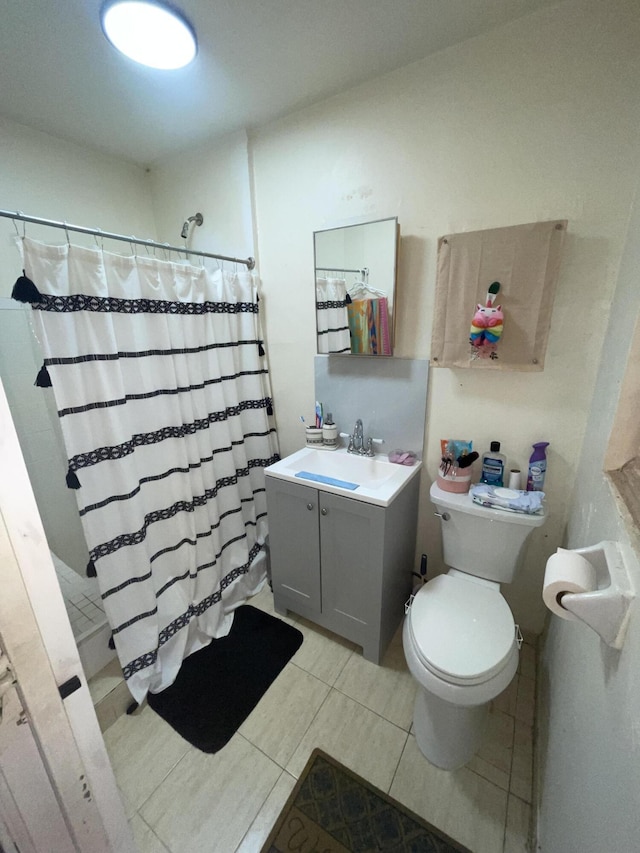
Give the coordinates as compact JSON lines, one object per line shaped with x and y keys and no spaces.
{"x":294,"y":544}
{"x":352,"y":539}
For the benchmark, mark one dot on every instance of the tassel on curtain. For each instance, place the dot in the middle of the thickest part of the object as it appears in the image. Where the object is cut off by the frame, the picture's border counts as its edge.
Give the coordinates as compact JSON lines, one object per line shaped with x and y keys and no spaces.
{"x":164,"y":404}
{"x":24,"y":290}
{"x":43,"y":380}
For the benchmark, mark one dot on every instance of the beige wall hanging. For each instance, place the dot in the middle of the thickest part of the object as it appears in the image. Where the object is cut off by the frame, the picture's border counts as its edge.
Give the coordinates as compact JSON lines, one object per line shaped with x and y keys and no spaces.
{"x":494,"y":296}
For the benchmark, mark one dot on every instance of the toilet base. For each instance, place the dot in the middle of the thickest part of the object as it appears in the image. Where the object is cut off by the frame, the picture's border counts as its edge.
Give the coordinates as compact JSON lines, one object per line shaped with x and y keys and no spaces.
{"x":448,"y":735}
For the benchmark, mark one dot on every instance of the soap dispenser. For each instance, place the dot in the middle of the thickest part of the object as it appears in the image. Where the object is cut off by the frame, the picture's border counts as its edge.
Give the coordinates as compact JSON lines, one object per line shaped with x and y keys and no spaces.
{"x":329,"y":433}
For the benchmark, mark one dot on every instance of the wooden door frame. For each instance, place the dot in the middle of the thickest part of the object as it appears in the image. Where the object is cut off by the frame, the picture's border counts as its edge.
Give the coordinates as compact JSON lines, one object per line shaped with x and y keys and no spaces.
{"x":37,"y":638}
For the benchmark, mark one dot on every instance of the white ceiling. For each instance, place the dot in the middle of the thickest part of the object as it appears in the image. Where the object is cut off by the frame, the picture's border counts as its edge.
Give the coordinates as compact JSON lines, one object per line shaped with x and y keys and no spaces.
{"x":258,"y":59}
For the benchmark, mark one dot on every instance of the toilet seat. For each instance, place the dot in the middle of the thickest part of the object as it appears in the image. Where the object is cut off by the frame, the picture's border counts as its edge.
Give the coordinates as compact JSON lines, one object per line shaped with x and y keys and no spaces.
{"x":462,"y":630}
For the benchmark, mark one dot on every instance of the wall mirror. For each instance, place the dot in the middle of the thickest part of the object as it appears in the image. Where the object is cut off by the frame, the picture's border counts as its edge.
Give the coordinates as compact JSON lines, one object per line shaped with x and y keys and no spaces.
{"x":355,"y":269}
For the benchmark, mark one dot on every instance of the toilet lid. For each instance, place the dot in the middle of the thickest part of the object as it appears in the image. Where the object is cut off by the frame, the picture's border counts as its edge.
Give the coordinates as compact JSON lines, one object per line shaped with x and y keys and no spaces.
{"x":463,"y":630}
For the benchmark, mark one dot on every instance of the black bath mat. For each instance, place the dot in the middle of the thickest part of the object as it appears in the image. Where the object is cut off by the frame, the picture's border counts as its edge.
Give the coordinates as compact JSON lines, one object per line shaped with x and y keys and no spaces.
{"x":218,"y":687}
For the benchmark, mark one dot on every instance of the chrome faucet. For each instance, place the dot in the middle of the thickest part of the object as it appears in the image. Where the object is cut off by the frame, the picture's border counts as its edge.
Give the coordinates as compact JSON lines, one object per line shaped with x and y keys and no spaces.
{"x":357,"y":442}
{"x":356,"y":438}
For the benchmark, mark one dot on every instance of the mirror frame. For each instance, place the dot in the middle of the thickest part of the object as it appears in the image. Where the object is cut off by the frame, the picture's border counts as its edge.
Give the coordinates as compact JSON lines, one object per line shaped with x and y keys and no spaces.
{"x":392,"y":290}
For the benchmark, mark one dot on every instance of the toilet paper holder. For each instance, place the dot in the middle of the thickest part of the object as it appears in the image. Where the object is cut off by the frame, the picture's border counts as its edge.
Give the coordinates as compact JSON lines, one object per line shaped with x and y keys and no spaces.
{"x":606,"y":609}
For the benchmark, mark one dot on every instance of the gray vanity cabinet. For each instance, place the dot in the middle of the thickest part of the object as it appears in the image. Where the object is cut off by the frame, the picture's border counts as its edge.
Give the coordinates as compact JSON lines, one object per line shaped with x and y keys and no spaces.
{"x":294,"y":545}
{"x":342,"y":563}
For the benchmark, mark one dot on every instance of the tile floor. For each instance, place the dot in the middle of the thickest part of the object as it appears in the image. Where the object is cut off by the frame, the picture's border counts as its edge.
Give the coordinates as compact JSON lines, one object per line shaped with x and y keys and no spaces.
{"x":178,"y":798}
{"x":81,"y":599}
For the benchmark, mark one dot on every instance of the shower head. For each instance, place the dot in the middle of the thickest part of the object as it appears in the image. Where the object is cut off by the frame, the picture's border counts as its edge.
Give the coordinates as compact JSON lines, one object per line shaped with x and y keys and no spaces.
{"x":185,"y":228}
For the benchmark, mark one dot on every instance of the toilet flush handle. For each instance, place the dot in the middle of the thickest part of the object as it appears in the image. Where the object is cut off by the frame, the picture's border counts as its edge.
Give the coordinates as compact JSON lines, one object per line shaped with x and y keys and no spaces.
{"x":443,"y":515}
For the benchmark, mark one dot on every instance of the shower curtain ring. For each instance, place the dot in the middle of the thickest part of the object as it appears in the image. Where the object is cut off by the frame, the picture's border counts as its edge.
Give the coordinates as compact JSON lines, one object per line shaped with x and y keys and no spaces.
{"x":66,"y":231}
{"x":24,"y":224}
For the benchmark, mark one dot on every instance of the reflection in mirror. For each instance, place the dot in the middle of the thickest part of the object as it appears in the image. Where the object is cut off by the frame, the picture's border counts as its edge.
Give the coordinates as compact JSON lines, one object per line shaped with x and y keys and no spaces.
{"x":355,"y":270}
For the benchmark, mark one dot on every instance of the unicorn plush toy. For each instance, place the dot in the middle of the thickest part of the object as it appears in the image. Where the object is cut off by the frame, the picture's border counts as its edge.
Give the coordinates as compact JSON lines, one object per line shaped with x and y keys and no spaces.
{"x":486,"y":326}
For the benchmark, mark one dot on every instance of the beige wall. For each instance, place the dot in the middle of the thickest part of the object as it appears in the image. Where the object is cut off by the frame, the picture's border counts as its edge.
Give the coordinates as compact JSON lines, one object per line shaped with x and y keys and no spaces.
{"x":213,"y":180}
{"x":589,"y":707}
{"x":537,"y":120}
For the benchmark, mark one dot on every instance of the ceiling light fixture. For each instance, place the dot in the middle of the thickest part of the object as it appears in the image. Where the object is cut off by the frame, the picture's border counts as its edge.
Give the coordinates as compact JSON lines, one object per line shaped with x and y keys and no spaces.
{"x":150,"y":33}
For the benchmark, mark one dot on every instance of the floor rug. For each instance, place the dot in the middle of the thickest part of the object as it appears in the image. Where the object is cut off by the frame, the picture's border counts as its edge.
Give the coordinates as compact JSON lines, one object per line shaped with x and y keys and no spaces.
{"x":218,"y":687}
{"x":333,"y":810}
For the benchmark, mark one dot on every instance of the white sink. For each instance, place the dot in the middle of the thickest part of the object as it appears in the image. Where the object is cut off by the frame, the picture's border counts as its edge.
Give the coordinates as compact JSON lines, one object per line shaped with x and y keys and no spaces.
{"x":374,"y":479}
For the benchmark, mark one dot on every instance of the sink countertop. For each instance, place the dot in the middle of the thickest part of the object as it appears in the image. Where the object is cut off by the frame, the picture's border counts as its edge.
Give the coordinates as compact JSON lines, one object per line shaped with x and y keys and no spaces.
{"x":376,"y":480}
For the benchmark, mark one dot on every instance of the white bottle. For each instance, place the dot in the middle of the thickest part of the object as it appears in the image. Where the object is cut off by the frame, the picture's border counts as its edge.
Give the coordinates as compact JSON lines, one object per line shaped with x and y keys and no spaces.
{"x":329,"y":433}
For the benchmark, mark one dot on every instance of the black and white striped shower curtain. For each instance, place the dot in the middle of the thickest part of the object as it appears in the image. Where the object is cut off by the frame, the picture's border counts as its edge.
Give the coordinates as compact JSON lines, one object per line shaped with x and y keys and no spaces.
{"x":163,"y":394}
{"x":331,"y":316}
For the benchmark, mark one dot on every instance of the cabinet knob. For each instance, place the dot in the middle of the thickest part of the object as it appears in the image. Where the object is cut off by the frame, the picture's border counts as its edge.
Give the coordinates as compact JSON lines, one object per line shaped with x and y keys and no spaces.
{"x":309,"y":506}
{"x":324,"y":510}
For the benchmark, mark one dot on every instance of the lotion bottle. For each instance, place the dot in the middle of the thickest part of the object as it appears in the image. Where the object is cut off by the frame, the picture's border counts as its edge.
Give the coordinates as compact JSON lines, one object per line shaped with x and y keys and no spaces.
{"x":493,"y":466}
{"x":329,"y":433}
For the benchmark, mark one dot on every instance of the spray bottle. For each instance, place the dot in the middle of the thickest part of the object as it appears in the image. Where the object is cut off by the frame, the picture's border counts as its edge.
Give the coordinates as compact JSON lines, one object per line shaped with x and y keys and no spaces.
{"x":537,"y":467}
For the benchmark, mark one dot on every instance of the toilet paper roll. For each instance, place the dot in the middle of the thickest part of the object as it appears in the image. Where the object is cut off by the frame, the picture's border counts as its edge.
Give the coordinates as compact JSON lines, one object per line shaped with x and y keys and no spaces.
{"x":515,"y":479}
{"x":566,"y":571}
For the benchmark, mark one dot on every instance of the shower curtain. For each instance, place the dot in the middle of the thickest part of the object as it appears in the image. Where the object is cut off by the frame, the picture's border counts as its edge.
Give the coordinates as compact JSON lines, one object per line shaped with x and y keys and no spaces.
{"x":331,"y":315}
{"x":162,"y":390}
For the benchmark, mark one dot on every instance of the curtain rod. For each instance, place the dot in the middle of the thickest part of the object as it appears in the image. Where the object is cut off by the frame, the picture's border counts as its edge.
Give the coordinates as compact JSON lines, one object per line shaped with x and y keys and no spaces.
{"x":338,"y":269}
{"x":96,"y":232}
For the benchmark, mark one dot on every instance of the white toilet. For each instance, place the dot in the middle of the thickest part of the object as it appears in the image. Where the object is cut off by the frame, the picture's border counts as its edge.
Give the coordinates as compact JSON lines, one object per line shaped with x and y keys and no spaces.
{"x":459,"y":636}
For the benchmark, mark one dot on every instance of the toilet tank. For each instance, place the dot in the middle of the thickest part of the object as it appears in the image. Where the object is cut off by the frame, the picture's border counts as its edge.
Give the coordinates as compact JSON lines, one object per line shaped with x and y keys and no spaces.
{"x":483,"y":542}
